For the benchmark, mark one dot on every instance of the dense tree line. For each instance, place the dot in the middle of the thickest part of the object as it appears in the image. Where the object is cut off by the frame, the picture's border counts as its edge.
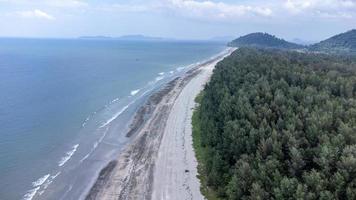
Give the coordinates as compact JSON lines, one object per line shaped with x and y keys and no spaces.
{"x":280,"y":125}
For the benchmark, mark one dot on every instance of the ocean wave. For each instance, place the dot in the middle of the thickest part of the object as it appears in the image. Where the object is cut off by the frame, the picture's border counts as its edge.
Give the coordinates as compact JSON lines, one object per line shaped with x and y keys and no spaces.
{"x":95,"y":112}
{"x":50,"y":180}
{"x":41,"y":180}
{"x":36,"y":186}
{"x":68,"y":155}
{"x":123,"y":109}
{"x":95,"y":145}
{"x":180,"y":68}
{"x":85,"y":157}
{"x":134,"y":92}
{"x":30,"y":194}
{"x":115,"y":116}
{"x":115,"y":100}
{"x":101,"y":138}
{"x":85,"y":121}
{"x":159,"y":78}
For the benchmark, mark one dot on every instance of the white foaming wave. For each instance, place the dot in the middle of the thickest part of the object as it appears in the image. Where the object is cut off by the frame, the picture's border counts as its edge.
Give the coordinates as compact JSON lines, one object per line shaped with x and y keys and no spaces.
{"x":68,"y":155}
{"x":95,"y":145}
{"x":36,"y":186}
{"x":115,"y":100}
{"x":102,"y":137}
{"x":85,"y":157}
{"x":30,"y":194}
{"x":123,"y":110}
{"x":171,"y":72}
{"x":85,"y":121}
{"x":41,"y":180}
{"x":161,"y":73}
{"x":134,"y":92}
{"x":115,"y":116}
{"x":41,"y":192}
{"x":50,"y":180}
{"x":159,"y":78}
{"x":55,"y":176}
{"x":180,"y":68}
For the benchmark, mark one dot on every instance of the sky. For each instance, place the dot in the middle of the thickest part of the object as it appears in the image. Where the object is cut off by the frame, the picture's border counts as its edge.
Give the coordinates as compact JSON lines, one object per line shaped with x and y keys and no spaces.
{"x":309,"y":20}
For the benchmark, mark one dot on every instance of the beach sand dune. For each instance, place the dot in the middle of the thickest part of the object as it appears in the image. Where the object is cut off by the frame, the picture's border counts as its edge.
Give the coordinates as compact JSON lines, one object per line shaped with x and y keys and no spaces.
{"x":160,"y":163}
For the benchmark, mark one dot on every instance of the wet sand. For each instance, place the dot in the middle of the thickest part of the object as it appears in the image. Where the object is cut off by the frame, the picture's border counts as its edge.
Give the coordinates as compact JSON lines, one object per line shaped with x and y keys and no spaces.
{"x":160,"y":162}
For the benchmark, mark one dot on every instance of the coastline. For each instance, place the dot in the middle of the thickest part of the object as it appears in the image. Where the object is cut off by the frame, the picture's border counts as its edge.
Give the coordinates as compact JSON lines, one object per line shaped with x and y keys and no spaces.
{"x":132,"y":174}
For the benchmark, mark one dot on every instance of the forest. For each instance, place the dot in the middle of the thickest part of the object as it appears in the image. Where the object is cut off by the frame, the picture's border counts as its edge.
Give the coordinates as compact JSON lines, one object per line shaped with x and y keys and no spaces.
{"x":274,"y":124}
{"x":344,"y":43}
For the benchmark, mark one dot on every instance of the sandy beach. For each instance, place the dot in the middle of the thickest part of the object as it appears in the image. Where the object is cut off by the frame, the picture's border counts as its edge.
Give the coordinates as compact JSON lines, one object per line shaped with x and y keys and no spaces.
{"x":160,"y":162}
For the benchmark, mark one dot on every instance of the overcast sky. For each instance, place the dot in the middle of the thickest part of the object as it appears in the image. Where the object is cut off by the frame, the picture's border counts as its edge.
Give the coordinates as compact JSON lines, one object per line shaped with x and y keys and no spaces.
{"x":185,"y":19}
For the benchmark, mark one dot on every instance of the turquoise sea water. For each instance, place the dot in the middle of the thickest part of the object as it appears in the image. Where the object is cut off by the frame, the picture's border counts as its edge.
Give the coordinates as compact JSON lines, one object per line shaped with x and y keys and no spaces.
{"x":65,"y":106}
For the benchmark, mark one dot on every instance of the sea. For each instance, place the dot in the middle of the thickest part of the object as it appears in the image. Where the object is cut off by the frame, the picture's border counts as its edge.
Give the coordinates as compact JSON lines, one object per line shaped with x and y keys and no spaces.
{"x":66,"y":105}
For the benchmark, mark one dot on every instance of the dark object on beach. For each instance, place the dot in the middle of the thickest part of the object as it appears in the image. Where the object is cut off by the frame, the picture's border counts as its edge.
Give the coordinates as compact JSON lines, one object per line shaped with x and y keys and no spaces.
{"x":186,"y":171}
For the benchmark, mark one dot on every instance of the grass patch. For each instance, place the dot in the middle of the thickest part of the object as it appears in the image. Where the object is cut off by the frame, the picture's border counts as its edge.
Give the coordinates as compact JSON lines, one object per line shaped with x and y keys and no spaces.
{"x":207,"y":192}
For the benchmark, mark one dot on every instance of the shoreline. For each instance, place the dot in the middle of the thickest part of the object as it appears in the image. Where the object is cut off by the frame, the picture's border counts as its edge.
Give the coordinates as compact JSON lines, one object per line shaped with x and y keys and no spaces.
{"x":131,"y":175}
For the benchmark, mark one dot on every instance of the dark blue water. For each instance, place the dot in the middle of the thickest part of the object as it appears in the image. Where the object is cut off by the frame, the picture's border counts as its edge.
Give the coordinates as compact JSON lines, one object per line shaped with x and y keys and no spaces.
{"x":58,"y":101}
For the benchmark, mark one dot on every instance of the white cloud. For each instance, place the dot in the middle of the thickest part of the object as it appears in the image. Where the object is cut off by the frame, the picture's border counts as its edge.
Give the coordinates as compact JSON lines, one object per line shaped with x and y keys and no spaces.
{"x":67,"y":3}
{"x":259,"y":9}
{"x":193,"y":9}
{"x":53,"y":3}
{"x":35,"y":14}
{"x":322,"y":8}
{"x":216,"y":10}
{"x":126,"y":7}
{"x":208,"y":10}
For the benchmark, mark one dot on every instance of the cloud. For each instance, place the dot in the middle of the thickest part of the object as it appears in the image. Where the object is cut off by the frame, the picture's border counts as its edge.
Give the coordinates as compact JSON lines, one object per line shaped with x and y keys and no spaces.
{"x":215,"y":10}
{"x":67,"y":3}
{"x":50,"y":3}
{"x":260,"y":9}
{"x":206,"y":10}
{"x":193,"y":9}
{"x":322,"y":8}
{"x":35,"y":14}
{"x":116,"y":7}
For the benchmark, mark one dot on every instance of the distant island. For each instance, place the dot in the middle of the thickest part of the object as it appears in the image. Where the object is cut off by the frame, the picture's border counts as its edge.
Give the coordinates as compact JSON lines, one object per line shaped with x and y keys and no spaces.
{"x":124,"y":37}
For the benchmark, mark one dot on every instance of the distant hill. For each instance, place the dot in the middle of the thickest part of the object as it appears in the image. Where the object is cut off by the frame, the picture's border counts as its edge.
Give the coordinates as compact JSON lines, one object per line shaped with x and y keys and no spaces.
{"x":342,"y":43}
{"x":263,"y":40}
